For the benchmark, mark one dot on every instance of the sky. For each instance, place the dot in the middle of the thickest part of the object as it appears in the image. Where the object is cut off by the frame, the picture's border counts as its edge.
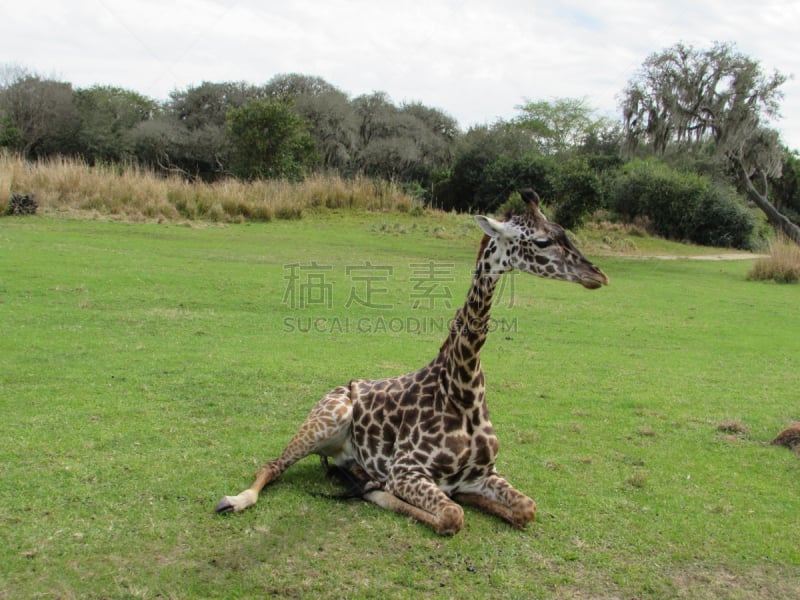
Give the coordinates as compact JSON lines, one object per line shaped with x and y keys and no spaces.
{"x":474,"y":59}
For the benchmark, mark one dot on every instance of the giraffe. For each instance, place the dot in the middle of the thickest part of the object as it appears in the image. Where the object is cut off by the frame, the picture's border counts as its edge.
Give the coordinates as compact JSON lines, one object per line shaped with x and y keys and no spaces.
{"x":421,"y":444}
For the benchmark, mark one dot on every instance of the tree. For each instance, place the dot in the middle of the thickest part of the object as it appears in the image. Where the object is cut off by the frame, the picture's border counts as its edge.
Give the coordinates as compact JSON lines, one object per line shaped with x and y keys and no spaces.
{"x":9,"y":136}
{"x":375,"y":115}
{"x":785,"y":190}
{"x":40,"y":115}
{"x":288,"y":86}
{"x":433,"y":133}
{"x":269,"y":140}
{"x":578,"y":190}
{"x":331,"y":119}
{"x":207,"y":104}
{"x":407,"y":142}
{"x":487,"y":164}
{"x":9,"y":74}
{"x":332,"y":124}
{"x":716,"y":102}
{"x":560,"y":124}
{"x":108,"y":115}
{"x":188,"y":134}
{"x":157,"y":142}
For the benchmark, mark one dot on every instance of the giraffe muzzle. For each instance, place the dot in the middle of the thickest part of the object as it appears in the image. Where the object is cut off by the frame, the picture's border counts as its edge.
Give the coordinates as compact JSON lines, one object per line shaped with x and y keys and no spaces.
{"x":594,"y":279}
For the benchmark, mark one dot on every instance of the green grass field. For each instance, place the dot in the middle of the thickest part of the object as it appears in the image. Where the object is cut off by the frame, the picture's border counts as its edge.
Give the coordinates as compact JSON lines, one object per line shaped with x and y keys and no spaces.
{"x":146,"y":370}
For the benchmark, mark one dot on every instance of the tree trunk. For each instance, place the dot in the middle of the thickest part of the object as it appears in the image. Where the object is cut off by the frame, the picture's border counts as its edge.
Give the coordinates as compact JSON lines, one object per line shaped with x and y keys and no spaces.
{"x":777,"y":219}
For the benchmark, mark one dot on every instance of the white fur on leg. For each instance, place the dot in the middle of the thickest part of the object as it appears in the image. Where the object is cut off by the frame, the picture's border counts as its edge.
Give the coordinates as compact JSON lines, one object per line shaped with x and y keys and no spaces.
{"x":237,"y":503}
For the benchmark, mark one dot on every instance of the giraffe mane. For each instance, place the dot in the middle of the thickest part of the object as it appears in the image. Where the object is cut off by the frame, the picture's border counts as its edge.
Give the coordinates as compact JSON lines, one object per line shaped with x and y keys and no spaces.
{"x":481,"y":248}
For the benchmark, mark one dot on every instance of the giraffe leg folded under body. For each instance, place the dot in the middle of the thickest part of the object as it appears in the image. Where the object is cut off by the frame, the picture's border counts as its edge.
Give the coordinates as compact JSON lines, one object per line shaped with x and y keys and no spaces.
{"x":496,"y":496}
{"x":324,"y":432}
{"x":420,"y":498}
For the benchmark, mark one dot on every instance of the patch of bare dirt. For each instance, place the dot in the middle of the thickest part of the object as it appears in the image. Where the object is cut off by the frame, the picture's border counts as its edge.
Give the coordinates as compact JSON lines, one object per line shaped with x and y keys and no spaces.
{"x":750,"y":583}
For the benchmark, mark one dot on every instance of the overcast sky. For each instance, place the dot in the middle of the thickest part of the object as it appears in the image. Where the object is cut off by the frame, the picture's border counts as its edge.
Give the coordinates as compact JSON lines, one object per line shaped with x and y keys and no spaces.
{"x":477,"y":60}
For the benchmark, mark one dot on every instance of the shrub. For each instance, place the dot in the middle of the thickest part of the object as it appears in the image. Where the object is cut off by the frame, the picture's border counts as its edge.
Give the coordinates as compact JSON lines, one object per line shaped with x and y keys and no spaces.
{"x":782,"y":265}
{"x":506,"y":175}
{"x":682,"y":206}
{"x":269,"y":140}
{"x":482,"y":179}
{"x":578,"y":192}
{"x":515,"y":205}
{"x":721,"y":220}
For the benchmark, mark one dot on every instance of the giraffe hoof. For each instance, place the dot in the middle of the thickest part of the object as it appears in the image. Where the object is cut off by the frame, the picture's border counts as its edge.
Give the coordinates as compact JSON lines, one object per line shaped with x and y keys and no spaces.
{"x":224,"y":506}
{"x":451,"y":520}
{"x":237,"y":503}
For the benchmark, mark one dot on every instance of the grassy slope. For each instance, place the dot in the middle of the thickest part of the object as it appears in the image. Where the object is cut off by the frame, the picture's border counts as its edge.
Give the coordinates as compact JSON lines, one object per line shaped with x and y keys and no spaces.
{"x":147,"y":370}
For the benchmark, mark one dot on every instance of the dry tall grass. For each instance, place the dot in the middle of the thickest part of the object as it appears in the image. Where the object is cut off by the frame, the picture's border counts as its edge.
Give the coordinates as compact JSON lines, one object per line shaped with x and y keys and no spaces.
{"x":782,"y":265}
{"x":65,"y":185}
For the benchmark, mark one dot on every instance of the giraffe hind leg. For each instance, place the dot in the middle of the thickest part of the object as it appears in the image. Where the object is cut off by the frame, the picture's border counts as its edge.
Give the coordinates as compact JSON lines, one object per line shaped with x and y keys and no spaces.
{"x":325,"y":431}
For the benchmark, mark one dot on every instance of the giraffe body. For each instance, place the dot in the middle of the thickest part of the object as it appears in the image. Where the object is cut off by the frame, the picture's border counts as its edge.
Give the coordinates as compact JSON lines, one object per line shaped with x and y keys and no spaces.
{"x":419,"y":442}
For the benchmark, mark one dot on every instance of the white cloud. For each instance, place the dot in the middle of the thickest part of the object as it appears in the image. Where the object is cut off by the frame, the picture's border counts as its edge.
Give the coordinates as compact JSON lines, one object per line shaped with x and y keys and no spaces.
{"x":474,"y":59}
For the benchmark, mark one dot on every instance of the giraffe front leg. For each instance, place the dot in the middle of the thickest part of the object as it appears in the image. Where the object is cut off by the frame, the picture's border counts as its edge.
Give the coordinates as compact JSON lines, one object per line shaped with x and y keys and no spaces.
{"x":325,"y":431}
{"x":420,"y":498}
{"x":495,"y":495}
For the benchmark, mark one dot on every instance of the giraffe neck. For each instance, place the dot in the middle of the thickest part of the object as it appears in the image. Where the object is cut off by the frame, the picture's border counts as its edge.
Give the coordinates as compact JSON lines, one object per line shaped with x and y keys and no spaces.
{"x":467,"y":335}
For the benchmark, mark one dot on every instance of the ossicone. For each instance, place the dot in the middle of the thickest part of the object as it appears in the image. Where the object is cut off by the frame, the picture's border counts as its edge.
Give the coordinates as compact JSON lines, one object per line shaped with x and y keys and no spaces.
{"x":531,"y":200}
{"x":530,"y":197}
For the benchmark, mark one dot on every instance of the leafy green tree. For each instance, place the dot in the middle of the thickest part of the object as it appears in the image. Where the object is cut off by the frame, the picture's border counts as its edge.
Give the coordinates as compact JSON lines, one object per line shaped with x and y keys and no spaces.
{"x":715,"y":102}
{"x":508,"y":174}
{"x":108,"y":115}
{"x":331,"y":119}
{"x":190,"y":136}
{"x":577,"y":190}
{"x":207,"y":105}
{"x":269,"y":140}
{"x":561,"y":124}
{"x":9,"y":136}
{"x":785,"y":190}
{"x":681,"y":205}
{"x":369,"y":134}
{"x":605,"y":141}
{"x":466,"y":187}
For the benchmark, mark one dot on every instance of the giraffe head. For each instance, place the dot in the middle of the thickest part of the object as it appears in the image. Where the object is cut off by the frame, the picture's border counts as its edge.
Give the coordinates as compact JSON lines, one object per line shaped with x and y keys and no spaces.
{"x":531,"y":243}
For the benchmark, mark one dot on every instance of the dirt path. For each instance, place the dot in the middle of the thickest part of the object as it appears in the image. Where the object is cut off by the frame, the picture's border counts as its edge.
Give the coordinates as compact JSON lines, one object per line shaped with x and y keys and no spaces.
{"x":720,"y":256}
{"x":725,"y":256}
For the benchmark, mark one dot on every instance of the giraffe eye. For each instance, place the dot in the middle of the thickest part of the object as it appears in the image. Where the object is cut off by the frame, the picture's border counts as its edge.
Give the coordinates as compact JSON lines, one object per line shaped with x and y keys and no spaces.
{"x":543,"y":242}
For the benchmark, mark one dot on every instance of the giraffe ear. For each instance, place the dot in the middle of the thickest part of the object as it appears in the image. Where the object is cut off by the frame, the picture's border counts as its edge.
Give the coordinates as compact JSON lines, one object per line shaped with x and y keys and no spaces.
{"x":490,"y":226}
